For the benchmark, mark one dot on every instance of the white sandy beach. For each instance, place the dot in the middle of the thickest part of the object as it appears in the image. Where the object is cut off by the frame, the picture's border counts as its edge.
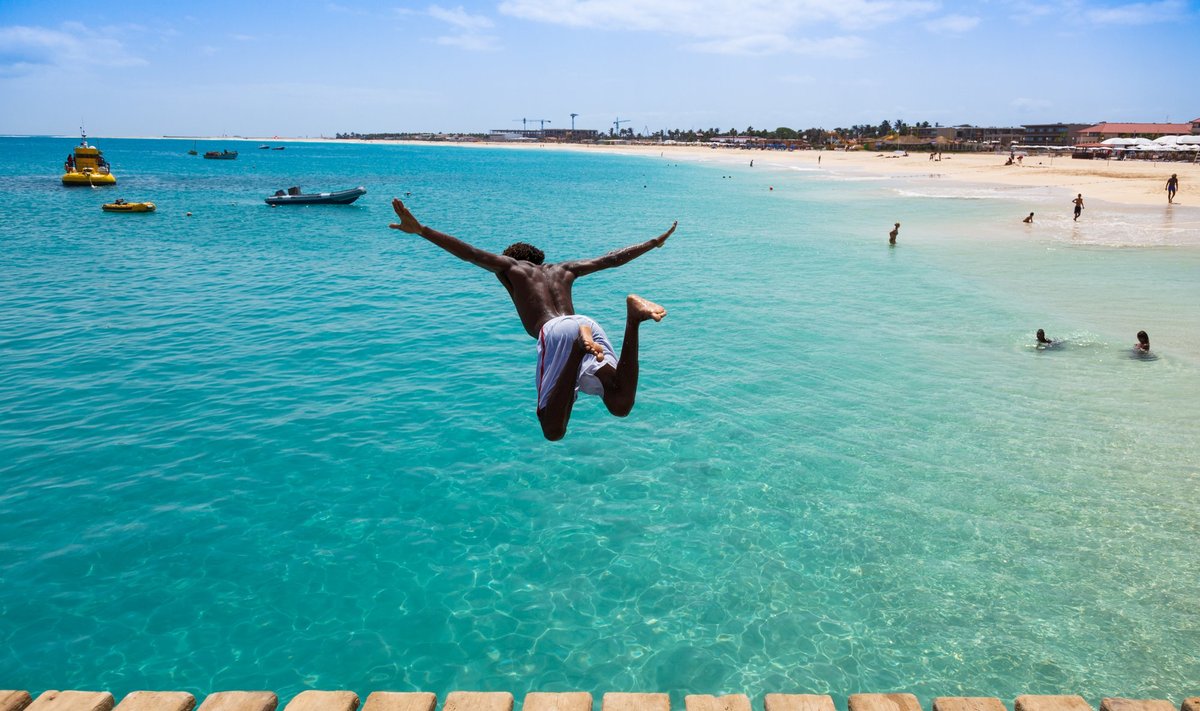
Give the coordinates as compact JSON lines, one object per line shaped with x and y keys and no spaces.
{"x":1132,"y":182}
{"x":1119,"y":182}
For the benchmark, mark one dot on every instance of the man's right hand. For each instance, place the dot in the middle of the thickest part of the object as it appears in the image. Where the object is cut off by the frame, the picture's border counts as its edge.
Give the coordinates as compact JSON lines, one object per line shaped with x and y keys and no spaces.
{"x":663,"y":237}
{"x":408,"y":223}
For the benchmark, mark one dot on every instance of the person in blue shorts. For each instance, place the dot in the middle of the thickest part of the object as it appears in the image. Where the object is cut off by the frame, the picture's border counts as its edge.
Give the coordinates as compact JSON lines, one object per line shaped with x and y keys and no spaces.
{"x":574,"y":353}
{"x":1172,"y":186}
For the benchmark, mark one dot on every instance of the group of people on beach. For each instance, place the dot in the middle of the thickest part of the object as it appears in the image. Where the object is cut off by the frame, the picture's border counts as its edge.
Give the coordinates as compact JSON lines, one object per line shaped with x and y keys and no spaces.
{"x":1172,"y":188}
{"x":1143,"y":340}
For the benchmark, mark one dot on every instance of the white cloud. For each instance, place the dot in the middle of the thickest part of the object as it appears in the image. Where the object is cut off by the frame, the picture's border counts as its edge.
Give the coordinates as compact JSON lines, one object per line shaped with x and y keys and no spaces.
{"x":1081,"y":11}
{"x":780,"y":44}
{"x":469,"y":30}
{"x":470,"y":42}
{"x":24,"y":48}
{"x":460,"y":18}
{"x":952,"y":24}
{"x":706,"y":18}
{"x":747,"y":27}
{"x":1139,"y":13}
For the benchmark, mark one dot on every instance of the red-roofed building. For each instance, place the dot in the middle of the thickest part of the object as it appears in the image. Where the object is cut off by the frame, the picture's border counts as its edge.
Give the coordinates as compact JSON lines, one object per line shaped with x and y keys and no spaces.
{"x":1101,"y":131}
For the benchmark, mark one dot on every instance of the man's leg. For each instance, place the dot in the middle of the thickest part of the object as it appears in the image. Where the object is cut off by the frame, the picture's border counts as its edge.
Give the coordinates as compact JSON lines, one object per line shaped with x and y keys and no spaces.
{"x":620,"y":383}
{"x":554,"y":416}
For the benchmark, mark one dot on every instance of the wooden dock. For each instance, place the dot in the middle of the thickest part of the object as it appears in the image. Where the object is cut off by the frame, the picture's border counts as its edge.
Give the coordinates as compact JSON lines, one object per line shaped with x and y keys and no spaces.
{"x":541,"y":701}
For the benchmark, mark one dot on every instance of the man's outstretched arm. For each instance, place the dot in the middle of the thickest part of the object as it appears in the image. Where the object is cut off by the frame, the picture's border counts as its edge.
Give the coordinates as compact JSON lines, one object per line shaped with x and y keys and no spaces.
{"x":453,"y":245}
{"x":617,"y":257}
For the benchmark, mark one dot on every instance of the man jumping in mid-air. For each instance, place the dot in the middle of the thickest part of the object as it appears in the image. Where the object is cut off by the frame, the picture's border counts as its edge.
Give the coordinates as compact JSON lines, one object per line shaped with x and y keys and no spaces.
{"x":573,"y":351}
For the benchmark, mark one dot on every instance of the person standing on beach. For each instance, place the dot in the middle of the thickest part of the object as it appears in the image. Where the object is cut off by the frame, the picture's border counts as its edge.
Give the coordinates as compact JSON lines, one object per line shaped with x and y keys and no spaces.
{"x":573,"y":351}
{"x":1172,"y":186}
{"x":892,"y":235}
{"x":1078,"y":205}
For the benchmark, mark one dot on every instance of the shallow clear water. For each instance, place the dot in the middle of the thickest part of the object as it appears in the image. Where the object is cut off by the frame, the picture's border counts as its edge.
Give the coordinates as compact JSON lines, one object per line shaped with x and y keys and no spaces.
{"x":290,"y":448}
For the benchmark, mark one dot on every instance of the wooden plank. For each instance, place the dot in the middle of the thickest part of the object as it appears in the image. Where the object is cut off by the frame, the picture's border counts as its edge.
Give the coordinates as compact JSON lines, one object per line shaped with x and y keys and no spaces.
{"x":162,"y":701}
{"x":240,"y":701}
{"x":969,"y":703}
{"x":313,"y":700}
{"x":478,"y":701}
{"x":14,"y":700}
{"x":729,"y":702}
{"x":1030,"y":702}
{"x":884,"y":702}
{"x":620,"y":701}
{"x":1192,"y":704}
{"x":1120,"y":704}
{"x":72,"y":701}
{"x":400,"y":701}
{"x":798,"y":702}
{"x":567,"y":701}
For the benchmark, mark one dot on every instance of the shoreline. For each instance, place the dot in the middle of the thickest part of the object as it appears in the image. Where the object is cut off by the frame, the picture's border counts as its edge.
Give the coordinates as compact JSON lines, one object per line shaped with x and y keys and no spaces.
{"x":1128,"y":183}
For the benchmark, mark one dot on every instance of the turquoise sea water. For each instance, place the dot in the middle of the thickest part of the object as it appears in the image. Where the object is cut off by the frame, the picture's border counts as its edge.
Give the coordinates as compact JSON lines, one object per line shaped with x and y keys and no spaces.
{"x":290,"y":448}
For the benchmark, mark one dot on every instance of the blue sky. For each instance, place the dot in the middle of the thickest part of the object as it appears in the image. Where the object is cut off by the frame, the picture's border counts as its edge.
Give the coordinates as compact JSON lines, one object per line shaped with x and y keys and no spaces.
{"x":316,"y":68}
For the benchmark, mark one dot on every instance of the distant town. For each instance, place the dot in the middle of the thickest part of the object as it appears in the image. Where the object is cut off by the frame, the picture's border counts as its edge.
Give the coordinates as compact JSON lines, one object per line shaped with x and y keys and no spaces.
{"x":886,"y":134}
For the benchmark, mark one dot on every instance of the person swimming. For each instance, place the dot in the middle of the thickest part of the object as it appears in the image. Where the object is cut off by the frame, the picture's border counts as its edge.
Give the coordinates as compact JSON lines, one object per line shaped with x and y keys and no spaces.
{"x":1143,"y":342}
{"x":1028,"y":220}
{"x":893,"y":234}
{"x":1042,"y":340}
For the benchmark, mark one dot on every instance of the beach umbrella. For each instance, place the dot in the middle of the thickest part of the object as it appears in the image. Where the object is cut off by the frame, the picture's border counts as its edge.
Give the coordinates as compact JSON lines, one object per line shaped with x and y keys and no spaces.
{"x":1116,"y":142}
{"x":1189,"y":140}
{"x":1167,"y":140}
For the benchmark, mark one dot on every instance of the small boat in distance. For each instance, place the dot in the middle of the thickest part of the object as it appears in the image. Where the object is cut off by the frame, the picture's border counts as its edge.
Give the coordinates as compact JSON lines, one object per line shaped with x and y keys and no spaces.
{"x":221,"y":155}
{"x":293,"y":196}
{"x":86,"y":167}
{"x":264,"y":147}
{"x":193,"y":151}
{"x":121,"y":205}
{"x":278,"y":148}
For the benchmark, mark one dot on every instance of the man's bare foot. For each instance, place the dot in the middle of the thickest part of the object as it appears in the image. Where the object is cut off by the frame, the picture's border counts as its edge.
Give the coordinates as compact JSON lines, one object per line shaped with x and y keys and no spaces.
{"x":585,"y":337}
{"x":641,"y":309}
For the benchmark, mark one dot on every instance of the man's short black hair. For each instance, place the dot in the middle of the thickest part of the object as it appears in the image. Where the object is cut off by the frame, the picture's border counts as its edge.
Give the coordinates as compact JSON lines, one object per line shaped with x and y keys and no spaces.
{"x":525,"y":252}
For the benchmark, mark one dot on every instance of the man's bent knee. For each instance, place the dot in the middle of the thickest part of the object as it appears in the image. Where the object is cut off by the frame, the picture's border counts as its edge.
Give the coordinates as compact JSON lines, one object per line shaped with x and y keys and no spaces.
{"x":552,"y":431}
{"x":621,"y":407}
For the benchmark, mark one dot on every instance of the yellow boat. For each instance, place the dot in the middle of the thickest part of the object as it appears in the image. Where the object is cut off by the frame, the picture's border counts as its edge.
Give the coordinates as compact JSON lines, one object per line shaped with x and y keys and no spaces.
{"x":87,"y":167}
{"x":122,"y":206}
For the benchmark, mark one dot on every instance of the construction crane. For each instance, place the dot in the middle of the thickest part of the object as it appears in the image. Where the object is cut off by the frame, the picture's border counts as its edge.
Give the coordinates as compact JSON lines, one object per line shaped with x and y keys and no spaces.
{"x":525,"y":121}
{"x":617,"y":124}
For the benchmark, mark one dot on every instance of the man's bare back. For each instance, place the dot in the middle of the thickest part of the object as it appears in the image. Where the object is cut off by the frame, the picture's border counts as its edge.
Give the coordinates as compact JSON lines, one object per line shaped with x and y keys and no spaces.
{"x":540,"y":292}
